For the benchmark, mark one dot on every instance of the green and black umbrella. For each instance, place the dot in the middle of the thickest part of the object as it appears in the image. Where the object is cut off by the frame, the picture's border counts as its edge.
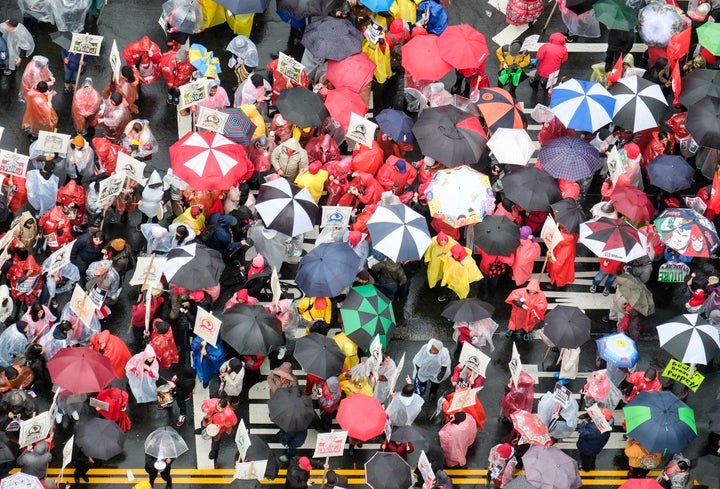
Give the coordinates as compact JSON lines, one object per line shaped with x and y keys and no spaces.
{"x":660,"y":422}
{"x":366,"y":312}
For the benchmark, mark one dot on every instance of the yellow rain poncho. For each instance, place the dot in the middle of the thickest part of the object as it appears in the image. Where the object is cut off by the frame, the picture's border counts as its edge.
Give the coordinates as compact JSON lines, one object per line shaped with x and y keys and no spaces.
{"x":380,"y":57}
{"x":349,"y":348}
{"x":405,"y":10}
{"x":254,"y":115}
{"x":460,"y":271}
{"x":436,"y":256}
{"x":214,"y":14}
{"x":195,"y":223}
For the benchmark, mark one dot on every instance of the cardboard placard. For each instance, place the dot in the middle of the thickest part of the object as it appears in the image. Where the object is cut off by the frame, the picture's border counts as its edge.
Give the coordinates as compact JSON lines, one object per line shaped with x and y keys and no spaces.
{"x":211,"y":119}
{"x":515,"y":365}
{"x":696,"y":203}
{"x":275,"y":286}
{"x":111,"y":186}
{"x":114,"y":60}
{"x":290,"y":68}
{"x":597,"y":416}
{"x":396,"y":375}
{"x":131,"y":167}
{"x":98,"y":404}
{"x":34,"y":429}
{"x":550,"y":233}
{"x":330,"y":444}
{"x":681,"y":372}
{"x":387,"y":430}
{"x":374,"y":32}
{"x":375,"y":351}
{"x":426,"y":471}
{"x":67,"y":451}
{"x":361,"y":130}
{"x":562,"y":395}
{"x":474,"y":359}
{"x":13,"y":163}
{"x":207,"y":326}
{"x":242,"y":439}
{"x":336,"y":216}
{"x":154,"y":275}
{"x":53,"y":142}
{"x":193,"y":92}
{"x":530,"y":43}
{"x":60,"y":258}
{"x":250,"y":470}
{"x":86,"y":44}
{"x":81,"y":305}
{"x":464,"y":398}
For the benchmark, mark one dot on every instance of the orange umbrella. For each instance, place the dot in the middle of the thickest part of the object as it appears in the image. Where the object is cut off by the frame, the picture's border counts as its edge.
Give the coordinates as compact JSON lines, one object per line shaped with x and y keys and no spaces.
{"x":421,"y":58}
{"x":341,"y":102}
{"x":499,"y":109}
{"x":353,"y":72}
{"x":463,"y":47}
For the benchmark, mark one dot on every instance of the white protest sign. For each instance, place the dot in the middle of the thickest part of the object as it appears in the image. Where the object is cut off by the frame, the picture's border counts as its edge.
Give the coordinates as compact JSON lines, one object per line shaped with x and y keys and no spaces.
{"x":207,"y":326}
{"x":34,"y":429}
{"x":211,"y":119}
{"x":60,"y":258}
{"x":464,"y":398}
{"x":336,"y":216}
{"x":474,"y":359}
{"x":144,"y":269}
{"x":550,"y":233}
{"x":396,"y":375}
{"x":361,"y":130}
{"x":114,"y":60}
{"x":2,"y":130}
{"x":13,"y":163}
{"x":67,"y":452}
{"x":426,"y":471}
{"x":8,"y":237}
{"x":86,"y":44}
{"x":131,"y":167}
{"x":330,"y":444}
{"x":388,"y":429}
{"x":250,"y":470}
{"x":275,"y":286}
{"x":193,"y":92}
{"x":530,"y":43}
{"x":562,"y":395}
{"x":53,"y":142}
{"x":515,"y":365}
{"x":98,"y":404}
{"x":111,"y":186}
{"x":373,"y":32}
{"x":290,"y":68}
{"x":81,"y":305}
{"x":597,"y":416}
{"x":376,"y":354}
{"x":242,"y":439}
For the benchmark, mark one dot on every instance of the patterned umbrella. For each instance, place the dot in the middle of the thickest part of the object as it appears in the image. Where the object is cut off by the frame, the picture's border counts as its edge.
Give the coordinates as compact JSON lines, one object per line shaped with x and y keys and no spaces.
{"x":618,"y":349}
{"x":633,"y":203}
{"x":569,"y":158}
{"x":332,"y":38}
{"x":687,"y":232}
{"x":499,"y":109}
{"x":511,"y":146}
{"x":21,"y":480}
{"x":582,"y":105}
{"x":460,"y":196}
{"x":421,"y":58}
{"x":690,"y":339}
{"x":657,"y":23}
{"x":639,"y":104}
{"x":450,"y":135}
{"x":671,"y":173}
{"x":531,"y":428}
{"x":399,"y":232}
{"x":238,"y":127}
{"x":613,"y":239}
{"x":287,"y":208}
{"x":366,"y":313}
{"x":531,"y":188}
{"x":551,"y":468}
{"x":204,"y":61}
{"x":302,"y":107}
{"x":353,"y":72}
{"x":660,"y":422}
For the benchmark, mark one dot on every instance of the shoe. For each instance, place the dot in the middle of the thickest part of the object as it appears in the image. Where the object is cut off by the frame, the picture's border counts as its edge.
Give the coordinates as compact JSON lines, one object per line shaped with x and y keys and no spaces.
{"x":85,"y":478}
{"x":526,"y":337}
{"x":7,"y":72}
{"x":605,"y":318}
{"x":58,"y":418}
{"x":66,"y":90}
{"x":534,"y":85}
{"x":198,"y":431}
{"x":509,"y":333}
{"x":283,"y":458}
{"x":281,"y":353}
{"x":593,"y":289}
{"x":205,"y":385}
{"x":213,"y":454}
{"x":75,"y":416}
{"x":180,"y":421}
{"x":442,"y":298}
{"x":169,"y":99}
{"x":606,"y":291}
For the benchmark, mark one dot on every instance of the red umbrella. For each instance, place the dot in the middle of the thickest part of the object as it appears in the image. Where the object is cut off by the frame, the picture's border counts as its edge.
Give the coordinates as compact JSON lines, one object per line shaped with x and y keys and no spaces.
{"x":531,"y":427}
{"x":362,"y":416}
{"x":633,"y":203}
{"x":208,"y":161}
{"x":80,"y":370}
{"x":463,"y":47}
{"x":353,"y":72}
{"x":341,"y":102}
{"x":641,"y":484}
{"x":421,"y":58}
{"x":499,"y":109}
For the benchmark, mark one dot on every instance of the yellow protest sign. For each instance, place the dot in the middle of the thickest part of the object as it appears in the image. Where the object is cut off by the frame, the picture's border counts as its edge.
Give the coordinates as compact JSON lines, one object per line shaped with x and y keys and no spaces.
{"x":680,"y":371}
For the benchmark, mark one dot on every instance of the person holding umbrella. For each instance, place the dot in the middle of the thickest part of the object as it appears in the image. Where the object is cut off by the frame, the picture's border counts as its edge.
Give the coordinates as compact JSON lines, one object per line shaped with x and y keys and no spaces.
{"x":528,"y":308}
{"x":82,"y":464}
{"x":641,"y":381}
{"x":161,"y":466}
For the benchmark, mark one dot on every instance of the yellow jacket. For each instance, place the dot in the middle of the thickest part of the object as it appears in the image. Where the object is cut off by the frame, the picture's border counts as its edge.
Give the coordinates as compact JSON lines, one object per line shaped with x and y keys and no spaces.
{"x":381,"y":58}
{"x":459,"y":275}
{"x":522,"y":59}
{"x":349,"y":348}
{"x":436,"y":256}
{"x":307,"y":309}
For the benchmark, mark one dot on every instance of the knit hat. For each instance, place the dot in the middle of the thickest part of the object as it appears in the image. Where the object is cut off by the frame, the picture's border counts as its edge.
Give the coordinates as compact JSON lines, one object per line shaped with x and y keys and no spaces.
{"x":78,"y":141}
{"x":258,"y":261}
{"x":117,"y":244}
{"x":505,"y":450}
{"x":401,"y":166}
{"x":304,"y":463}
{"x":525,"y":232}
{"x":314,"y":167}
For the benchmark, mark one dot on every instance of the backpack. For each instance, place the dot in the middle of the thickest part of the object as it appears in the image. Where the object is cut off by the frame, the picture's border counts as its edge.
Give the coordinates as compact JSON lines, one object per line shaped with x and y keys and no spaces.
{"x":396,"y":54}
{"x":650,"y":460}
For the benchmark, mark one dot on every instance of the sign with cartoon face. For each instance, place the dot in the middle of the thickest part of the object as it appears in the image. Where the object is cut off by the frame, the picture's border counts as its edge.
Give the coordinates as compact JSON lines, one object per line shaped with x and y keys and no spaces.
{"x":290,"y":68}
{"x":211,"y":119}
{"x":60,"y":258}
{"x":131,"y":167}
{"x":193,"y":92}
{"x":207,"y":326}
{"x":474,"y":359}
{"x":53,"y":142}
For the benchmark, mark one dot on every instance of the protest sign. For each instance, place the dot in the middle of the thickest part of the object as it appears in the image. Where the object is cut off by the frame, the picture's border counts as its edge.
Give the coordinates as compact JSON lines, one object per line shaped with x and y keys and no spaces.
{"x":396,"y":375}
{"x":515,"y":366}
{"x":562,"y":395}
{"x":335,"y":216}
{"x":13,"y":163}
{"x":207,"y":326}
{"x":290,"y":68}
{"x":330,"y":444}
{"x":131,"y":167}
{"x":99,"y":405}
{"x":426,"y":471}
{"x":681,"y":372}
{"x":211,"y":119}
{"x":86,"y":44}
{"x":361,"y":130}
{"x":53,"y":142}
{"x":146,"y":272}
{"x":81,"y":305}
{"x":463,"y":398}
{"x":60,"y":258}
{"x":111,"y":186}
{"x":34,"y":429}
{"x":376,"y":354}
{"x":115,"y":62}
{"x":250,"y":470}
{"x":597,"y":416}
{"x":242,"y":440}
{"x":550,"y":233}
{"x":474,"y":359}
{"x":193,"y":92}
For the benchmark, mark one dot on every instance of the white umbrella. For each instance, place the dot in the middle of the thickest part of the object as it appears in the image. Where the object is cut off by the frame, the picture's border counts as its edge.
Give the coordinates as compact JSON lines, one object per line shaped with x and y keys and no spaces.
{"x":639,"y":104}
{"x":399,"y":232}
{"x":165,"y":442}
{"x":690,"y":339}
{"x":511,"y":146}
{"x":286,"y":207}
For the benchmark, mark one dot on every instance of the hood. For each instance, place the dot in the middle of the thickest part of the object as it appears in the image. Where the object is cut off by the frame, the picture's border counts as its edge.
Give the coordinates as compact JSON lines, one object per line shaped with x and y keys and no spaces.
{"x":557,"y":38}
{"x":104,"y":336}
{"x":333,"y":384}
{"x":41,"y":448}
{"x":533,"y":285}
{"x":292,"y":143}
{"x":154,"y":178}
{"x":148,"y":352}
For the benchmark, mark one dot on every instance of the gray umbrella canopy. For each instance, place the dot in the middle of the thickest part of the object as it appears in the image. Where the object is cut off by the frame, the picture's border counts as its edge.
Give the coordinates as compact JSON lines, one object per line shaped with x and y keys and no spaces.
{"x":332,"y":38}
{"x":239,"y":7}
{"x":550,"y":468}
{"x":327,"y":269}
{"x":388,"y":471}
{"x":707,"y":470}
{"x":290,"y":409}
{"x":100,"y":438}
{"x":319,"y":355}
{"x":531,"y":189}
{"x":251,"y":330}
{"x":567,"y":327}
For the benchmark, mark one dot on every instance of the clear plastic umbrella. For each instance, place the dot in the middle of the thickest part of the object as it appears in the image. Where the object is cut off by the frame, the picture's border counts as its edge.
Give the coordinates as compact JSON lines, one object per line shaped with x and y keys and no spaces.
{"x":184,"y":15}
{"x":165,"y":442}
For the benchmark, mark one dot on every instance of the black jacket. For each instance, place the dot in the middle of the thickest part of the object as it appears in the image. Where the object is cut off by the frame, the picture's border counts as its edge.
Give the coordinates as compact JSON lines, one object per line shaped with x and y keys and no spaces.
{"x":297,"y":477}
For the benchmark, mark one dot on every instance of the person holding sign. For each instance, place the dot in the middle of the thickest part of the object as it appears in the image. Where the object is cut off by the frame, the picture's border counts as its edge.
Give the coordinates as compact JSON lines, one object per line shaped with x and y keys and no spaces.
{"x":591,"y":440}
{"x":177,"y":70}
{"x":114,"y":116}
{"x":39,"y":112}
{"x":529,"y":305}
{"x":206,"y":359}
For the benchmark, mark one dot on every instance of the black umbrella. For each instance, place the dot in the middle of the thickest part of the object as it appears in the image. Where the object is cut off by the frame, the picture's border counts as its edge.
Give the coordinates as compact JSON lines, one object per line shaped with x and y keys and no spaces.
{"x":304,"y":8}
{"x":319,"y":355}
{"x":567,"y":327}
{"x":302,"y":107}
{"x":260,"y":450}
{"x":100,"y":438}
{"x":703,"y":122}
{"x":468,"y":310}
{"x":386,"y":470}
{"x":699,"y":84}
{"x":519,"y":482}
{"x":450,"y":135}
{"x":408,"y":433}
{"x":531,"y":189}
{"x":570,"y":214}
{"x":707,"y":470}
{"x":8,"y":448}
{"x":497,"y":235}
{"x":62,"y":39}
{"x":250,"y":330}
{"x":290,"y":409}
{"x":327,"y":269}
{"x":332,"y":38}
{"x":287,"y":208}
{"x":580,"y":6}
{"x":194,"y":267}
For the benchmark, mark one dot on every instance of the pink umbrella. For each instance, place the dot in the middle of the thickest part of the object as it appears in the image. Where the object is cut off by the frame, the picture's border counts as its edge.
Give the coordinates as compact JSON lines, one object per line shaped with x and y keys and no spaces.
{"x":421,"y":58}
{"x":341,"y":102}
{"x":353,"y":72}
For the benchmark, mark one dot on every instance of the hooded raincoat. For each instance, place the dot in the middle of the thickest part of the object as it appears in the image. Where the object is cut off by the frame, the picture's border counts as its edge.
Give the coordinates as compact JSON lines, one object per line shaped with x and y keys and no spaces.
{"x":432,"y":366}
{"x":143,"y":381}
{"x":535,"y":305}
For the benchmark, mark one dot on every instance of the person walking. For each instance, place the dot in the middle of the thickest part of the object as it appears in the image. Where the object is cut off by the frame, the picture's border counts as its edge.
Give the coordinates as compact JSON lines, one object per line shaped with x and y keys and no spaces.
{"x":640,"y":460}
{"x":182,"y":386}
{"x":20,"y":44}
{"x":550,"y":57}
{"x":609,"y":270}
{"x":431,"y":363}
{"x":161,"y":466}
{"x":512,"y":61}
{"x":529,"y":305}
{"x":298,"y":472}
{"x":591,"y":440}
{"x":217,"y":412}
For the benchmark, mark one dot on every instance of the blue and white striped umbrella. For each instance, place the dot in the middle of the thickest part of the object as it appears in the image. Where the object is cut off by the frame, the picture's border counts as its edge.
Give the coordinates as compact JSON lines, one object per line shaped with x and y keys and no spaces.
{"x":399,"y":232}
{"x":582,"y":105}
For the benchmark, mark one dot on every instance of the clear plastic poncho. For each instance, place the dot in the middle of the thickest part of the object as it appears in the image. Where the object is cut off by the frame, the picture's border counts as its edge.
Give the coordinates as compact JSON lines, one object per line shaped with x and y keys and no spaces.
{"x":244,"y":51}
{"x":69,"y":15}
{"x":142,"y":143}
{"x":61,"y":281}
{"x":566,"y":423}
{"x":37,"y":9}
{"x":12,"y":344}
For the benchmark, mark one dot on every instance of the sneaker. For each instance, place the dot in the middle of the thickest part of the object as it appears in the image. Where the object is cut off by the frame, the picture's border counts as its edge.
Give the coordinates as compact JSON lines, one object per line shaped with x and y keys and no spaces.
{"x":180,"y":421}
{"x":509,"y":333}
{"x":58,"y":418}
{"x":213,"y":454}
{"x":75,"y":416}
{"x":593,"y":289}
{"x":281,"y":353}
{"x":7,"y":72}
{"x":606,"y":291}
{"x":283,"y":458}
{"x":563,"y":381}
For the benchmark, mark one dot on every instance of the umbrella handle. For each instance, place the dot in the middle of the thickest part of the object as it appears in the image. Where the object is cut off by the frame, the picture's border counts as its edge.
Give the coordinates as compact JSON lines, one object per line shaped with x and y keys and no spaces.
{"x":550,"y":16}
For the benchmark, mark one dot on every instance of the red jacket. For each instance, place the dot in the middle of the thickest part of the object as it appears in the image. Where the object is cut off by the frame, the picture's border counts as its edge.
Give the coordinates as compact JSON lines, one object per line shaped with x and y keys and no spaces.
{"x":390,"y":178}
{"x":175,"y":73}
{"x":55,"y":227}
{"x":611,"y":267}
{"x":551,"y":55}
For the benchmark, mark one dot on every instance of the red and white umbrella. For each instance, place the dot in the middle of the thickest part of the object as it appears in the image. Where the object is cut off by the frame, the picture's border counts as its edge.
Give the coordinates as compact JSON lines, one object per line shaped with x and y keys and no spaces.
{"x":209,"y":161}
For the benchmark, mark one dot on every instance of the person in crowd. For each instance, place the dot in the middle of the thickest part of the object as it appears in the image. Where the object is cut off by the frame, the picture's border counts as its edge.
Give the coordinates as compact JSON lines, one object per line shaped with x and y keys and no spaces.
{"x":456,"y":437}
{"x":591,"y":440}
{"x":529,"y":305}
{"x":431,"y":363}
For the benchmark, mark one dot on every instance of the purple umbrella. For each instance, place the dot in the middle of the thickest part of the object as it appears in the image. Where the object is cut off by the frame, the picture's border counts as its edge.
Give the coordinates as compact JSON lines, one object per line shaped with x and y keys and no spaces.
{"x":569,"y":158}
{"x":670,"y":173}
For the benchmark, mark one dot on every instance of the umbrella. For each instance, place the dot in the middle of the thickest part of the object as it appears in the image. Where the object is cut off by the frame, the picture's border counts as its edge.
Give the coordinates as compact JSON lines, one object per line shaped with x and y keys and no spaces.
{"x":671,"y":173}
{"x":613,"y":239}
{"x":327,"y":270}
{"x":290,"y":409}
{"x":8,"y":449}
{"x":165,"y":442}
{"x":636,"y":293}
{"x":531,"y":428}
{"x":21,"y":480}
{"x":699,"y":84}
{"x":531,"y":189}
{"x":332,"y":38}
{"x":641,"y":484}
{"x":462,"y":46}
{"x":238,"y":127}
{"x":366,"y":313}
{"x":260,"y":450}
{"x":449,"y":135}
{"x":184,"y":15}
{"x":80,"y":370}
{"x":707,"y":471}
{"x":421,"y":58}
{"x":569,"y":158}
{"x":62,"y":39}
{"x":690,"y":339}
{"x":582,"y":105}
{"x":567,"y":327}
{"x":460,"y":196}
{"x":396,"y":124}
{"x":499,"y":109}
{"x":687,"y":232}
{"x":378,"y":5}
{"x":570,"y":214}
{"x":657,"y":23}
{"x":341,"y":102}
{"x":511,"y":146}
{"x":99,"y":438}
{"x":244,"y":49}
{"x":468,"y":310}
{"x":300,"y":9}
{"x":551,"y":468}
{"x":703,"y":122}
{"x":618,"y":349}
{"x":302,"y":107}
{"x":386,"y":470}
{"x":639,"y":104}
{"x":204,"y":61}
{"x":660,"y":422}
{"x":399,"y":233}
{"x":353,"y":72}
{"x":208,"y":160}
{"x":319,"y":355}
{"x":615,"y":15}
{"x":709,"y":37}
{"x":240,"y":7}
{"x":287,"y":208}
{"x":519,"y":482}
{"x":251,"y":330}
{"x":362,"y":416}
{"x":408,"y":433}
{"x":497,"y":235}
{"x":633,"y":203}
{"x":194,"y":267}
